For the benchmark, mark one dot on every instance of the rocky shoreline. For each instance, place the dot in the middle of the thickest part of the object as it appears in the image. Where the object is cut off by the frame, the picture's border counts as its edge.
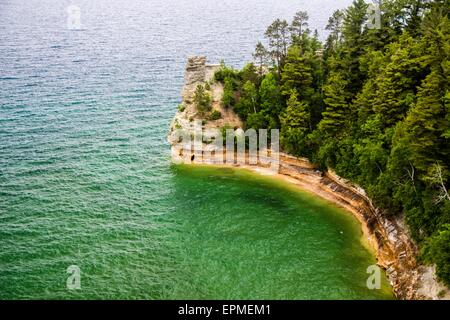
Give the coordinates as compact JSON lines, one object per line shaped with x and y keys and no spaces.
{"x":394,"y":249}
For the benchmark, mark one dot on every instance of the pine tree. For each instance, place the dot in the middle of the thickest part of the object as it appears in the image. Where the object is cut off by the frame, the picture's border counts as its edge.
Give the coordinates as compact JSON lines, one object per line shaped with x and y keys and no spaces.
{"x":334,"y":26}
{"x":271,"y":100}
{"x":261,"y":56}
{"x":278,"y":36}
{"x":250,"y":73}
{"x":295,"y":125}
{"x":298,"y":28}
{"x":446,"y":134}
{"x":374,"y":106}
{"x":297,"y":74}
{"x":437,"y":251}
{"x":336,"y":115}
{"x":228,"y":93}
{"x":299,"y":23}
{"x":397,"y":80}
{"x":427,"y":124}
{"x":352,"y":48}
{"x":248,"y":102}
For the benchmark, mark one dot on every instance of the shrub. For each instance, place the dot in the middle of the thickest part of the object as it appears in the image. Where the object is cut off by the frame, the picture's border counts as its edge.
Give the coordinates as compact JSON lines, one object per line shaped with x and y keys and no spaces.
{"x":202,"y":100}
{"x":228,"y":99}
{"x":215,"y":115}
{"x":226,"y":72}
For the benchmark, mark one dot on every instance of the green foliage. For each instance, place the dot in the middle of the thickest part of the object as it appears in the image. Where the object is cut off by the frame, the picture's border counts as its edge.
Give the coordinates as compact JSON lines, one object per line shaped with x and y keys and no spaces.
{"x":397,"y":80}
{"x":228,"y":93}
{"x":261,"y":56}
{"x":248,"y":102}
{"x":271,"y":100}
{"x":202,"y":100}
{"x":256,"y":121}
{"x":215,"y":115}
{"x":295,"y":124}
{"x":279,"y":38}
{"x":353,"y":46}
{"x":225,"y":72}
{"x":446,"y":134}
{"x":299,"y":24}
{"x":297,"y":74}
{"x":335,"y":27}
{"x":250,"y":73}
{"x":426,"y":124}
{"x":336,"y":115}
{"x":223,"y":131}
{"x":437,"y":250}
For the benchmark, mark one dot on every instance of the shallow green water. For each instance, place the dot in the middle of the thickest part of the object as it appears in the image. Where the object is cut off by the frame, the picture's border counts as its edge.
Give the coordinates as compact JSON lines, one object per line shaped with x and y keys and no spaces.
{"x":247,"y":236}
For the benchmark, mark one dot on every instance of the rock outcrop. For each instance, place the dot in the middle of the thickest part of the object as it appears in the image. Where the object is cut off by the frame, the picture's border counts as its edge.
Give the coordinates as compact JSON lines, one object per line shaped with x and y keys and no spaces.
{"x":195,"y":74}
{"x":198,"y":72}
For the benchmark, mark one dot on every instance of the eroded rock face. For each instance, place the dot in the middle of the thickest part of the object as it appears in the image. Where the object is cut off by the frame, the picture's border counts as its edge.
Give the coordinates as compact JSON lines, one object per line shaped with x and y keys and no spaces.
{"x":194,"y":75}
{"x":198,"y":72}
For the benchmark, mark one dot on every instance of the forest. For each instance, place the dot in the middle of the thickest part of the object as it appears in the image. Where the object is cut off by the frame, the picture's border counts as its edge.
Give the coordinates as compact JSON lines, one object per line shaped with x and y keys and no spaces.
{"x":372,"y":103}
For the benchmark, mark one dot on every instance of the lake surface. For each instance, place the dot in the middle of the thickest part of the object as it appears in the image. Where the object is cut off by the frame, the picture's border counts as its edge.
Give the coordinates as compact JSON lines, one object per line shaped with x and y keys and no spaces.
{"x":86,"y":177}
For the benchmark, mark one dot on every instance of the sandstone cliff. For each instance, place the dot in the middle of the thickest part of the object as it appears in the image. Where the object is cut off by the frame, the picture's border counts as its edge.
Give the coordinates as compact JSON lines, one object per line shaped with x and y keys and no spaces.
{"x":198,"y":72}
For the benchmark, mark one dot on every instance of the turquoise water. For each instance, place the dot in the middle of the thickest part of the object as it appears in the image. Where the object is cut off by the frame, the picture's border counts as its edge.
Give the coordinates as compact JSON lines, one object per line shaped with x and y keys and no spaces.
{"x":85,"y":172}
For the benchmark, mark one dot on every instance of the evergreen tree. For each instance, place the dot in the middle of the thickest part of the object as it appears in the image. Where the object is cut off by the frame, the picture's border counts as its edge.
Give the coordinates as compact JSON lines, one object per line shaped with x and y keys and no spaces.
{"x":334,"y":26}
{"x":398,"y":80}
{"x":228,"y":93}
{"x":261,"y":56}
{"x":336,"y":115}
{"x":271,"y":101}
{"x":278,"y":36}
{"x":299,"y":23}
{"x":427,"y":124}
{"x":202,"y":100}
{"x":295,"y":126}
{"x":352,"y":48}
{"x":249,"y":73}
{"x":299,"y":28}
{"x":297,"y":74}
{"x":437,"y":250}
{"x":248,"y":102}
